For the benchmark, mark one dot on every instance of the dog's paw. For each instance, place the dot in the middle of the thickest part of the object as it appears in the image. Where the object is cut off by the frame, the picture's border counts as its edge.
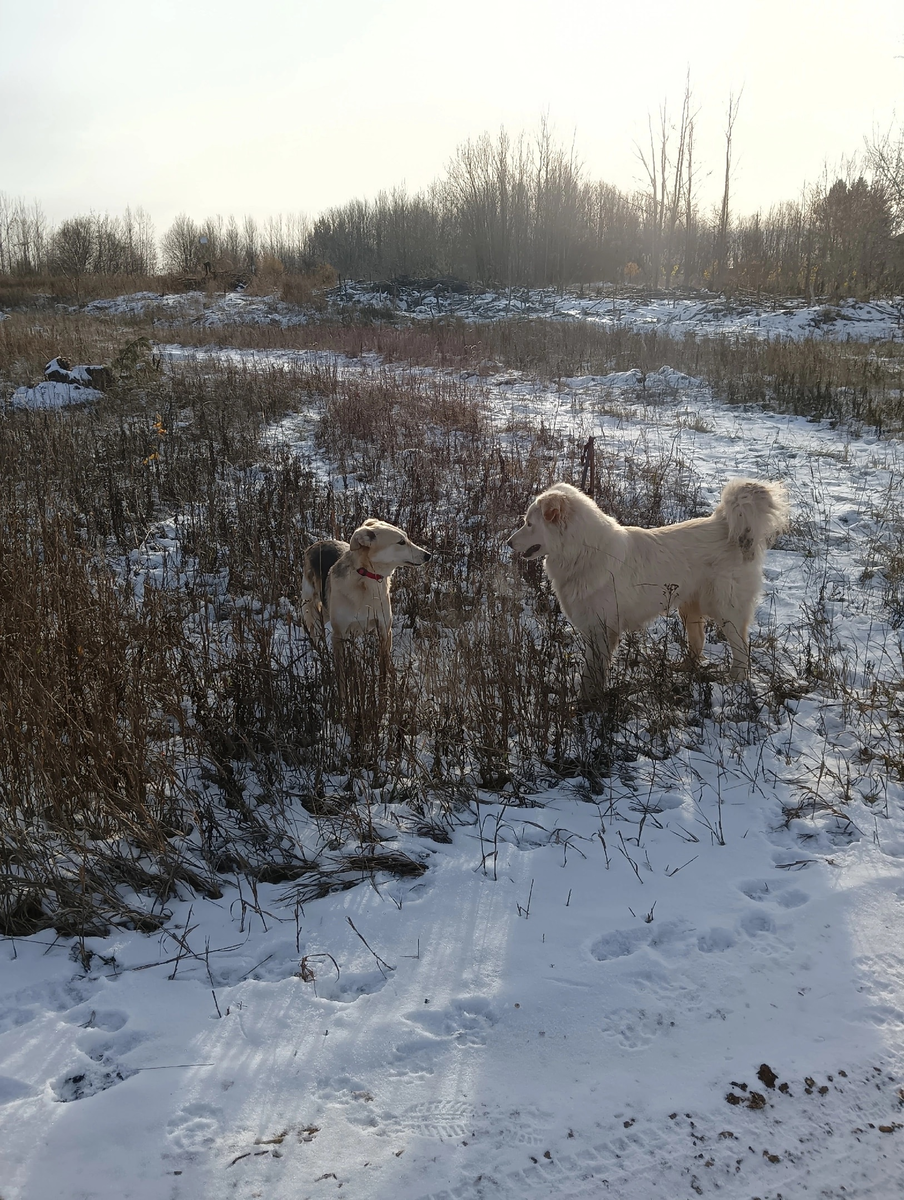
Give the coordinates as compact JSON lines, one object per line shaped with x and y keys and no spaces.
{"x":703,"y":668}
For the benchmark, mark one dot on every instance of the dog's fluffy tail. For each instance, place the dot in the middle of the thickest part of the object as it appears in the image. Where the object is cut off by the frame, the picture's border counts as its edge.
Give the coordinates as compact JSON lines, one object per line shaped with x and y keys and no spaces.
{"x":755,"y":513}
{"x":318,"y":559}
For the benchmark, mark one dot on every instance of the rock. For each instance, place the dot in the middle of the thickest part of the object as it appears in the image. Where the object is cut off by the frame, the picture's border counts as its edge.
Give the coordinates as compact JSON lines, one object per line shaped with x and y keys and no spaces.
{"x":60,"y":370}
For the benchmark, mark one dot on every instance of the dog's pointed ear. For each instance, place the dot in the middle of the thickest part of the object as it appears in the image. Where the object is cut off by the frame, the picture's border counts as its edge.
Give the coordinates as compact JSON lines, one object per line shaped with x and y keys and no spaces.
{"x":555,"y":507}
{"x":362,"y":538}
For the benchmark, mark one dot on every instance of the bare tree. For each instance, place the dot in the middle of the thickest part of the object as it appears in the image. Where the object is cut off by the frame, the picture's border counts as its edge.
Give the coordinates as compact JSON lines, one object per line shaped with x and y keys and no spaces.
{"x":23,"y":236}
{"x":667,"y":164}
{"x":680,"y":186}
{"x":655,"y":163}
{"x":720,"y":264}
{"x":110,"y":255}
{"x":690,"y":212}
{"x":885,"y":158}
{"x":853,"y":222}
{"x":180,"y":246}
{"x":556,"y":207}
{"x":487,"y":196}
{"x":609,"y":232}
{"x":73,"y":248}
{"x":140,"y":242}
{"x":285,"y":238}
{"x":7,"y":234}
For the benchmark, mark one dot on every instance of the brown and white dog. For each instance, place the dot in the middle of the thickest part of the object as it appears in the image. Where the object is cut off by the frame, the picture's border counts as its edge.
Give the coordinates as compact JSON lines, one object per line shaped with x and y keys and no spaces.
{"x":611,"y":578}
{"x":348,"y":584}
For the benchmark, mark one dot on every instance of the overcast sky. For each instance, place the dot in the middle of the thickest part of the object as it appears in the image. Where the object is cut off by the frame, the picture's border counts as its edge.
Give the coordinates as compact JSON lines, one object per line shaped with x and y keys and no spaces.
{"x":269,"y":106}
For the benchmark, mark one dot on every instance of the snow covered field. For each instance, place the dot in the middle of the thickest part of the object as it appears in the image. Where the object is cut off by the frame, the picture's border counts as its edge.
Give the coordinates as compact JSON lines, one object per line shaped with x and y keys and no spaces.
{"x":674,"y":316}
{"x":687,"y":982}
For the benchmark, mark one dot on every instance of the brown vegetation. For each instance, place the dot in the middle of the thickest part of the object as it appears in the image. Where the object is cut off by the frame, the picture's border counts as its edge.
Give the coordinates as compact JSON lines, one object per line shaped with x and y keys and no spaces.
{"x":165,"y":721}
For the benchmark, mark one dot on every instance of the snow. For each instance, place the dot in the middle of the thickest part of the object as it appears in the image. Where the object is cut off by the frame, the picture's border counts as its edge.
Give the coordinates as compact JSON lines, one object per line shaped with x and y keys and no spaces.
{"x":673,"y":316}
{"x":670,"y":986}
{"x":53,"y":395}
{"x":220,"y":309}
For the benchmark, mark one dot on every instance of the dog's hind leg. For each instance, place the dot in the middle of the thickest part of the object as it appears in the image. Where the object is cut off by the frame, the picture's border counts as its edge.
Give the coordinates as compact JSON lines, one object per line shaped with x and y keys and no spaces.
{"x":311,"y":610}
{"x":312,"y":615}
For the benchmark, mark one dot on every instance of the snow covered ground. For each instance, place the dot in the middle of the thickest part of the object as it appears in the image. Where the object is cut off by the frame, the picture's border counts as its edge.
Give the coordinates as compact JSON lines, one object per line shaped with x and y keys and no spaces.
{"x":707,"y":315}
{"x":690,"y":983}
{"x":51,"y":394}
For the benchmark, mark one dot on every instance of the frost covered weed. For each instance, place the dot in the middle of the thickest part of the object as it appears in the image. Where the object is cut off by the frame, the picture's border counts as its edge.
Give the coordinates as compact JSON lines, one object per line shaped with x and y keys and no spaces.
{"x":885,"y":554}
{"x":166,"y":720}
{"x":862,"y":387}
{"x":858,"y":386}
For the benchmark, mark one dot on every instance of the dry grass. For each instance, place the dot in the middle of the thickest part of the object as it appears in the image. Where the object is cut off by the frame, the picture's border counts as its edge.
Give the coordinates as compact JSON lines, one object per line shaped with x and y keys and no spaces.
{"x":166,"y":719}
{"x":30,"y":292}
{"x":28,"y":341}
{"x":166,"y":722}
{"x":41,"y":292}
{"x":815,"y":378}
{"x":306,"y":290}
{"x":818,"y":379}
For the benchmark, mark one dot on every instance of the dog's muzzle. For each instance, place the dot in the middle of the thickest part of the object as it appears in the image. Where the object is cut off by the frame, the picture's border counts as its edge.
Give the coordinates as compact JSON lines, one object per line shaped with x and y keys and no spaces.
{"x":530,"y":551}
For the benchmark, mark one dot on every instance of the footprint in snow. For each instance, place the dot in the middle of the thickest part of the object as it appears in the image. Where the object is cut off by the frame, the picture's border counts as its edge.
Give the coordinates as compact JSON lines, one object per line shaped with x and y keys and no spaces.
{"x":350,"y":986}
{"x":716,"y":941}
{"x":101,"y":1047}
{"x":93,"y":1078}
{"x":636,"y":1028}
{"x":111,"y":1020}
{"x":195,"y":1127}
{"x":668,"y":938}
{"x":467,"y":1020}
{"x":776,"y":891}
{"x":756,"y":923}
{"x":417,"y":1056}
{"x":103,"y":1044}
{"x":445,"y":1120}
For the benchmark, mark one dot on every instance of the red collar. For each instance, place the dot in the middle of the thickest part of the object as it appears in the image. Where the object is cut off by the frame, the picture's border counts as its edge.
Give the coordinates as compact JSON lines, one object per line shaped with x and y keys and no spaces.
{"x":369,"y":574}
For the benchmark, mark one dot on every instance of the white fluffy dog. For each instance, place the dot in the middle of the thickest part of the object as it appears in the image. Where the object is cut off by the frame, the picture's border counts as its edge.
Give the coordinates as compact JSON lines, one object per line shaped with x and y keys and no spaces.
{"x":611,"y":578}
{"x":348,"y":583}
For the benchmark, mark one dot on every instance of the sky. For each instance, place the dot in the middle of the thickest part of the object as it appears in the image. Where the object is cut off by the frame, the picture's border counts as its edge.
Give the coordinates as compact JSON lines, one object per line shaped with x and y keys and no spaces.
{"x":291,"y":106}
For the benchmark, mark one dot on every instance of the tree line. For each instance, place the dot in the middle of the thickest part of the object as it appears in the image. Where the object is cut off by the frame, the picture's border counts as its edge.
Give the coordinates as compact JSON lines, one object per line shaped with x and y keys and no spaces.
{"x":517,"y":211}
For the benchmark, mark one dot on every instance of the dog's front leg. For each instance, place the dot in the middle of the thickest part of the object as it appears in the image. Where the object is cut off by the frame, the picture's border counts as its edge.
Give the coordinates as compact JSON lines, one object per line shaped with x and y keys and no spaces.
{"x":385,"y":636}
{"x":593,"y":678}
{"x":598,"y":649}
{"x":695,"y":629}
{"x":736,"y":633}
{"x":339,"y":668}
